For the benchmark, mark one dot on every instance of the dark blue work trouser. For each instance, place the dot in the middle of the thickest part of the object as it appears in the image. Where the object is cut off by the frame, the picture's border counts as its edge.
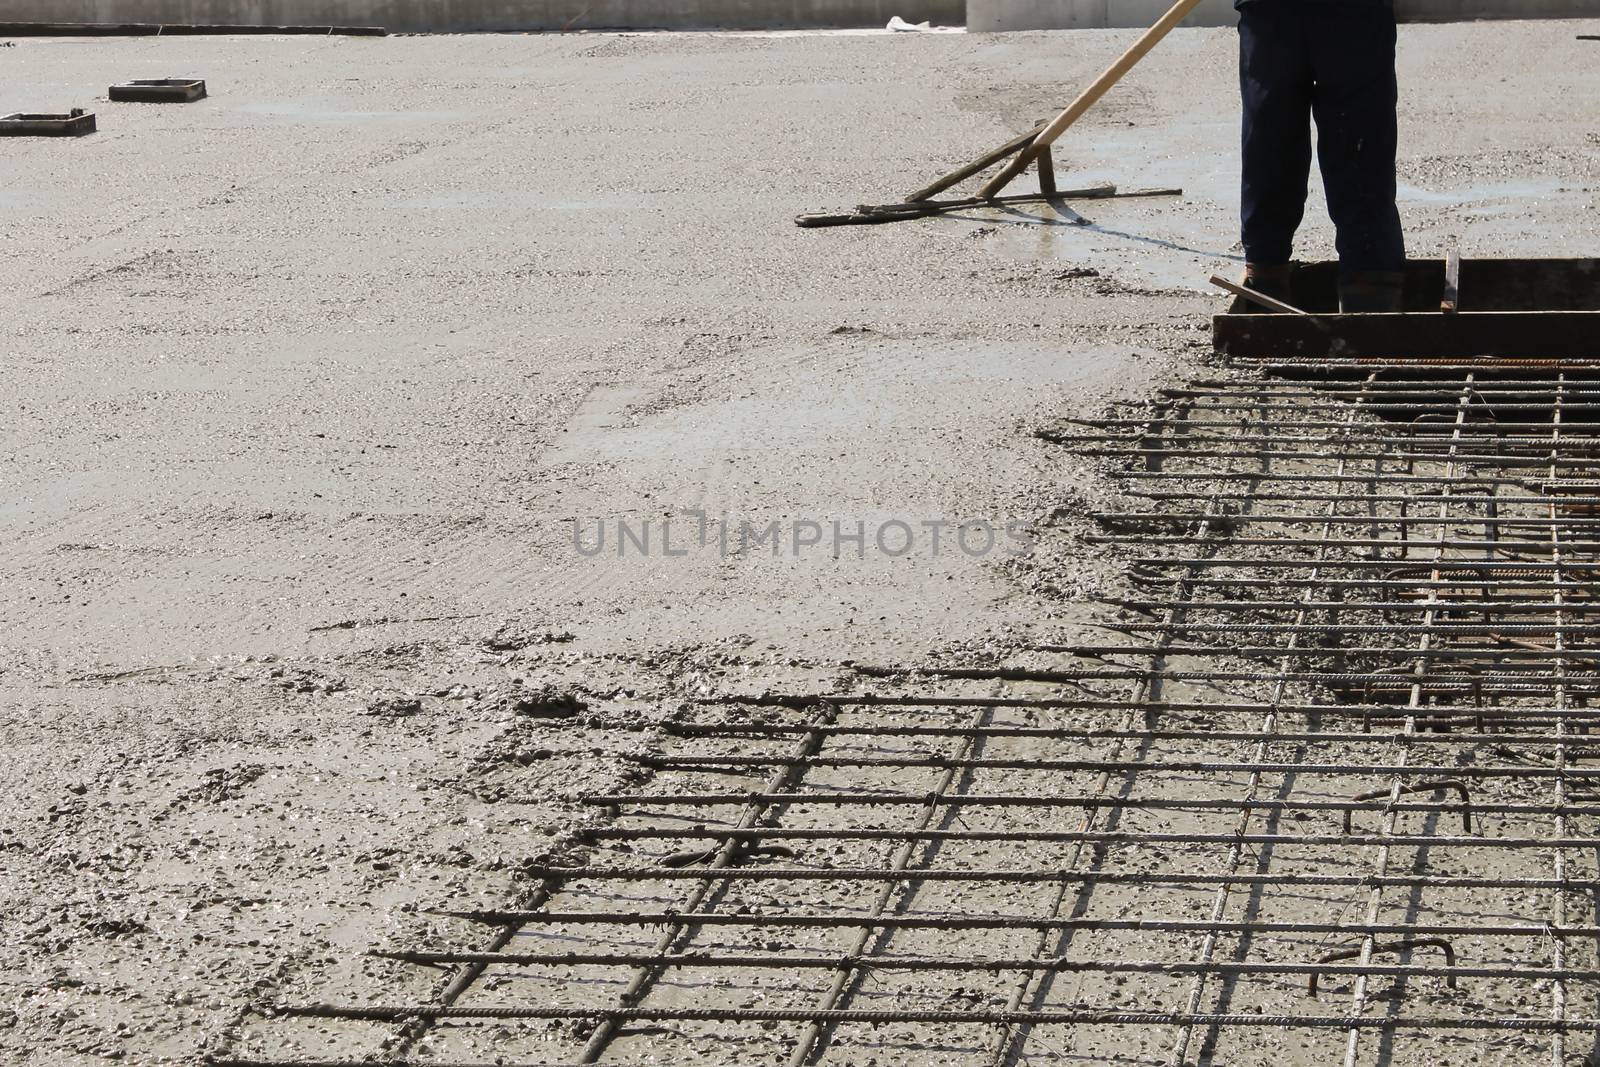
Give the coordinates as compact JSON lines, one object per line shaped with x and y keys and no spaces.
{"x":1333,"y":61}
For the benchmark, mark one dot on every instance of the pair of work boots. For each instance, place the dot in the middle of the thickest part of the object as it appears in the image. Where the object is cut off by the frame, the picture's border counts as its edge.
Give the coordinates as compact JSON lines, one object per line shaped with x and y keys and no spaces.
{"x":1363,"y":291}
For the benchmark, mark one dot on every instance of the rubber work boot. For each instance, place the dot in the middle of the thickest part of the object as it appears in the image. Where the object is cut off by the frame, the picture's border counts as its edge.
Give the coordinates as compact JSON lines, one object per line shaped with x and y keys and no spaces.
{"x":1275,"y":280}
{"x":1372,"y":291}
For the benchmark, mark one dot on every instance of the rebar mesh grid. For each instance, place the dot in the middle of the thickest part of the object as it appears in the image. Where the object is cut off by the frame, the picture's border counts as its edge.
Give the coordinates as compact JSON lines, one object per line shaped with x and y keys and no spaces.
{"x":1326,"y":791}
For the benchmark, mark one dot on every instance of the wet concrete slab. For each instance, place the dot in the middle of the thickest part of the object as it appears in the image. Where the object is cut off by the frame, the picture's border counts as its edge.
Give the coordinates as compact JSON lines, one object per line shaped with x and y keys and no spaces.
{"x":311,"y":378}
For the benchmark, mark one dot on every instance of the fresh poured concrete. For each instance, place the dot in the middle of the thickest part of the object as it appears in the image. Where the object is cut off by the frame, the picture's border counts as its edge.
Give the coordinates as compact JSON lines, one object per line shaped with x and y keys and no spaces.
{"x":308,"y":382}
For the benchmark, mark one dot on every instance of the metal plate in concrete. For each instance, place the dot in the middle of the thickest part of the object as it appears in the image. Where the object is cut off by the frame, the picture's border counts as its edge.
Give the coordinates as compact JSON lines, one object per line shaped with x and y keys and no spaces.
{"x":158,"y":91}
{"x":74,"y":124}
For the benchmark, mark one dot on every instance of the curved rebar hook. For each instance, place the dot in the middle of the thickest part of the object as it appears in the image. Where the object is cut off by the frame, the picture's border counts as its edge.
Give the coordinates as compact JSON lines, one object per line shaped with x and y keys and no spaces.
{"x":1437,"y":786}
{"x":1394,"y":948}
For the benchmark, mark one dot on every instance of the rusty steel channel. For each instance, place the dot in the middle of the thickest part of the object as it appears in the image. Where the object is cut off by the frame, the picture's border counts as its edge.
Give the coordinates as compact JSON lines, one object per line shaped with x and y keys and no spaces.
{"x":1323,"y":792}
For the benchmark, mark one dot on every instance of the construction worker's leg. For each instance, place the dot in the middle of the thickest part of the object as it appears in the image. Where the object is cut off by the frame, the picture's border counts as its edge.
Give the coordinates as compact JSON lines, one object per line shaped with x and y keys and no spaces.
{"x":1275,"y":83}
{"x":1355,"y":101}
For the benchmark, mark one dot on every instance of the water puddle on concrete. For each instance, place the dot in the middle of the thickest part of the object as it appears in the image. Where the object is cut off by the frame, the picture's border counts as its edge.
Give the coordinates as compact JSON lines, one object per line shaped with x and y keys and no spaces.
{"x":1531,"y":189}
{"x":1172,"y":242}
{"x":1176,"y":243}
{"x":1143,"y":242}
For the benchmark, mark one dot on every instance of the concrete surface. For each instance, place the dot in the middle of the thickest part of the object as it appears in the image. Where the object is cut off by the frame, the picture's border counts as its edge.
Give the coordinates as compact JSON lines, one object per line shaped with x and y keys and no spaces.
{"x":310,"y":379}
{"x":461,"y":16}
{"x":999,"y":16}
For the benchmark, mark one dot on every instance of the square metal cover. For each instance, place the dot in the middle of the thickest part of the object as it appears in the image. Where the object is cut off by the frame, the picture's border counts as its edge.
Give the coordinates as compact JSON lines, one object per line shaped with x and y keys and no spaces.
{"x":73,"y":124}
{"x":158,"y":91}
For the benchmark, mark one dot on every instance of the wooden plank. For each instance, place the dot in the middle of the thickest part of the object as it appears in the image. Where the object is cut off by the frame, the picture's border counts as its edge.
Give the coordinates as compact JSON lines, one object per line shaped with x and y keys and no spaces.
{"x":1511,"y":284}
{"x":1464,"y":335}
{"x":1452,"y":283}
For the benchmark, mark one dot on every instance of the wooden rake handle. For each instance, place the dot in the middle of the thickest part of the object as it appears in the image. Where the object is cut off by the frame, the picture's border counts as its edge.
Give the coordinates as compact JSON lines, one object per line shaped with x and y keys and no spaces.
{"x":1090,"y":96}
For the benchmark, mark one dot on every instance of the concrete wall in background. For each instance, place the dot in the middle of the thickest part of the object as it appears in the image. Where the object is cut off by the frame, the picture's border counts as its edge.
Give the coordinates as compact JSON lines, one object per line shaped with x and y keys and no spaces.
{"x":997,"y":16}
{"x":469,"y":15}
{"x":990,"y":16}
